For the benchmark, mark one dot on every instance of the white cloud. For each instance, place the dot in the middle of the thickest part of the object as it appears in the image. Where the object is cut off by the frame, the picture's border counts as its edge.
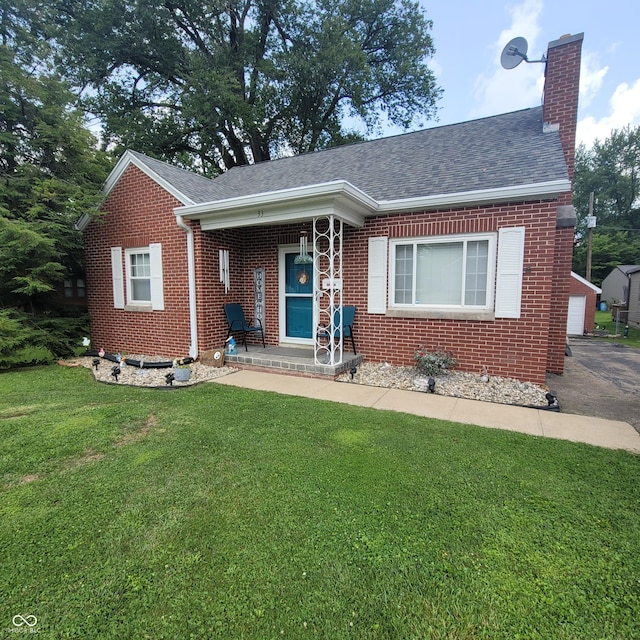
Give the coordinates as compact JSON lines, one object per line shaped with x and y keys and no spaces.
{"x":519,"y":88}
{"x":624,"y":110}
{"x":591,"y":78}
{"x":524,"y":22}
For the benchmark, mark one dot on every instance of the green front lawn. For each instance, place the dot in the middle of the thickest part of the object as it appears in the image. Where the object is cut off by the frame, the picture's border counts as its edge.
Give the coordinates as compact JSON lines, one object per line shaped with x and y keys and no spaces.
{"x":215,"y":512}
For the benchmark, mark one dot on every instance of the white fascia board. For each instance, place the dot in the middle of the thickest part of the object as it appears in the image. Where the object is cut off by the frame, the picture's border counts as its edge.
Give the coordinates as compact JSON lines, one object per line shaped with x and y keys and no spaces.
{"x":263,"y":216}
{"x":129,"y":158}
{"x":350,"y":203}
{"x":539,"y":190}
{"x":585,"y":282}
{"x":288,"y":205}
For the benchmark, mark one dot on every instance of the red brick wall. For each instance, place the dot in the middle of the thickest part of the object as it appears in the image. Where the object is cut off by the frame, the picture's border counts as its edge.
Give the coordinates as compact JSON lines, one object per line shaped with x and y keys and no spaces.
{"x":210,"y":292}
{"x":515,"y":348}
{"x":561,"y":283}
{"x":251,"y":248}
{"x":138,"y":212}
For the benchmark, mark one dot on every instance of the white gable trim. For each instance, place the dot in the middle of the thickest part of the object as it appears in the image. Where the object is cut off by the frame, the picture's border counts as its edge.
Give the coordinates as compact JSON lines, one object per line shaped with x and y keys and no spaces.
{"x":122,"y":165}
{"x":585,"y":282}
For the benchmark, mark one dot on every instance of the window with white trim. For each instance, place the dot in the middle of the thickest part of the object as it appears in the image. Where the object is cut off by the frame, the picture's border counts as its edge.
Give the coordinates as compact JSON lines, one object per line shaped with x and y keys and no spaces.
{"x":141,"y":283}
{"x":138,"y":270}
{"x":444,"y":272}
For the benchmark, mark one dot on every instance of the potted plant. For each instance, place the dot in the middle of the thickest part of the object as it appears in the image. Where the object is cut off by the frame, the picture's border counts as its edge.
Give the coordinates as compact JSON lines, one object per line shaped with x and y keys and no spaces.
{"x":181,"y":372}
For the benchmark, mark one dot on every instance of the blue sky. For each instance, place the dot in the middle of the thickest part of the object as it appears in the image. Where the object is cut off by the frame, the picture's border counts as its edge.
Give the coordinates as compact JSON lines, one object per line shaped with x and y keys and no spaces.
{"x":469,"y":36}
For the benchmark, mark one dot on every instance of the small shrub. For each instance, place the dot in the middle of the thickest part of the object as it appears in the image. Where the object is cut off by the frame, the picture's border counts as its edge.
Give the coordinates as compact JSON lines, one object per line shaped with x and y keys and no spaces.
{"x":29,"y":339}
{"x":430,"y":363}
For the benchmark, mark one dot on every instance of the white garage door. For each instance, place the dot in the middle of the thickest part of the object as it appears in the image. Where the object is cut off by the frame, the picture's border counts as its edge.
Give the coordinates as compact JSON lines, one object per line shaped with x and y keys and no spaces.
{"x":575,"y":319}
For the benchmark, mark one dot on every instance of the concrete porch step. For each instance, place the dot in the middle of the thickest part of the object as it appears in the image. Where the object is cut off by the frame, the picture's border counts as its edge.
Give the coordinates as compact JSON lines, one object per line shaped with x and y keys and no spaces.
{"x":289,"y":360}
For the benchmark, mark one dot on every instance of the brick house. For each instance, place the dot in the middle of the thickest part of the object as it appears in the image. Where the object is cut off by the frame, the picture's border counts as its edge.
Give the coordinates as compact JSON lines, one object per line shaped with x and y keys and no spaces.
{"x":457,"y":237}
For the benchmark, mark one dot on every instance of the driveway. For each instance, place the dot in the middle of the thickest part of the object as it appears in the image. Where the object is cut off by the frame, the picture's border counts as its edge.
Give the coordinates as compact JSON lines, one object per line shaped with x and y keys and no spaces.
{"x":601,"y":379}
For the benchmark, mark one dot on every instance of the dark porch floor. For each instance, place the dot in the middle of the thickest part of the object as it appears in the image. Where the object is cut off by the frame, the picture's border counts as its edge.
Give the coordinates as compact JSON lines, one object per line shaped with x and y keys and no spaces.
{"x":290,"y":360}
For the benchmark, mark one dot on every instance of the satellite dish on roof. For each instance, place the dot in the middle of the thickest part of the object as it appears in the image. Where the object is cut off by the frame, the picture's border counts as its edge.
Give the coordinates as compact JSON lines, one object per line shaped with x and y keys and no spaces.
{"x":514,"y":52}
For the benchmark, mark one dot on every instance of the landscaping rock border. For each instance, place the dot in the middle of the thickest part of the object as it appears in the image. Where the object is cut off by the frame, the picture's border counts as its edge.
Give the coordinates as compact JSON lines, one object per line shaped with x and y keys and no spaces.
{"x":456,"y":384}
{"x":149,"y":377}
{"x":449,"y":383}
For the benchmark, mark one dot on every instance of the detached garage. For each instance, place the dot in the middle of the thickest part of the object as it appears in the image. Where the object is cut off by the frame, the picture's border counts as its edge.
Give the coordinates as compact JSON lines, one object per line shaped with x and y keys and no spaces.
{"x":582,"y":306}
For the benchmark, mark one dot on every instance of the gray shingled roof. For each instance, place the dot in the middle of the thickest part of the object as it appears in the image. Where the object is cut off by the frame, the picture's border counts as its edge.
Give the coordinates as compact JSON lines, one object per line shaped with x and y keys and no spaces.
{"x":628,"y":268}
{"x":499,"y":151}
{"x":194,"y":186}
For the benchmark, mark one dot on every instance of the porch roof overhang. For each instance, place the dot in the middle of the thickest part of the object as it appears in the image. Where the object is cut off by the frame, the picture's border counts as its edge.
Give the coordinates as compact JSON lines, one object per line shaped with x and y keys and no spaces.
{"x":340,"y":198}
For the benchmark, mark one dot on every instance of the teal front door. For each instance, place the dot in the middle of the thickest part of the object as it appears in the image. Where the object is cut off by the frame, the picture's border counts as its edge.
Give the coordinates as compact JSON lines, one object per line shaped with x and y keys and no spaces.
{"x":296,"y":299}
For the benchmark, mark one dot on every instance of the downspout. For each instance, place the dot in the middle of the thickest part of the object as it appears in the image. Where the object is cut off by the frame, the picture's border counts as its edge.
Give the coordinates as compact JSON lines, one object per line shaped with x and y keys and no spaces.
{"x":191,"y":275}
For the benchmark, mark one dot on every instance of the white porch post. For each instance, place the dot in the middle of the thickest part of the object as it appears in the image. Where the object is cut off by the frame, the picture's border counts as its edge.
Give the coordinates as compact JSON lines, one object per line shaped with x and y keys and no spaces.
{"x":327,"y":298}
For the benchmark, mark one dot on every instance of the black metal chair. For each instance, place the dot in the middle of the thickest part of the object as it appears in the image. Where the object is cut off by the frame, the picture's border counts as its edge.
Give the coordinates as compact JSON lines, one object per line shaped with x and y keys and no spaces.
{"x":237,"y":323}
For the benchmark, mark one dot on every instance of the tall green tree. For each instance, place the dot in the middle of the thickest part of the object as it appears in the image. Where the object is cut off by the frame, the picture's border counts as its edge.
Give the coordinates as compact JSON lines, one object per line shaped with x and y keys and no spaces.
{"x":611,"y":171}
{"x":50,"y":174}
{"x":214,"y":85}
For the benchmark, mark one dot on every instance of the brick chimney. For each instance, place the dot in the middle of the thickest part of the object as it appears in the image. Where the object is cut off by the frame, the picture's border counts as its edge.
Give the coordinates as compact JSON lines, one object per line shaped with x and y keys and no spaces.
{"x":561,"y":86}
{"x":560,"y":113}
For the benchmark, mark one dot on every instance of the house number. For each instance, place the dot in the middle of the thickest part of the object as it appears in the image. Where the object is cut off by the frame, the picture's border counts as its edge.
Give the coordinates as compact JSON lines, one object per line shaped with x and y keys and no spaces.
{"x":260,"y":213}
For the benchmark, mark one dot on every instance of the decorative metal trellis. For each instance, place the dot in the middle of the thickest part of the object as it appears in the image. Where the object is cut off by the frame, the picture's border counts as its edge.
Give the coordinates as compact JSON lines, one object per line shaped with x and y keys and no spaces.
{"x":327,"y":299}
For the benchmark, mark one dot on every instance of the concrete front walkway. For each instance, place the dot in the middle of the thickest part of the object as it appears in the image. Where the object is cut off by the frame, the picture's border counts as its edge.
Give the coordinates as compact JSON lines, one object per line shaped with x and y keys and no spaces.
{"x":596,"y":431}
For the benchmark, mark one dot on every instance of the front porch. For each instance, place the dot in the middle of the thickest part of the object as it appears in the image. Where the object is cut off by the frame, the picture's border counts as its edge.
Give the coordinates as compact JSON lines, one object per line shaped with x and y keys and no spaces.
{"x":294,"y":360}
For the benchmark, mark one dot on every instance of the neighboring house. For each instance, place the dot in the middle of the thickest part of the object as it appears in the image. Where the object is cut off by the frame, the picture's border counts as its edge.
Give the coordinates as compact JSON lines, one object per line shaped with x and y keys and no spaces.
{"x":615,"y":287}
{"x":457,"y":238}
{"x":633,"y":302}
{"x":73,"y":291}
{"x":583,"y":298}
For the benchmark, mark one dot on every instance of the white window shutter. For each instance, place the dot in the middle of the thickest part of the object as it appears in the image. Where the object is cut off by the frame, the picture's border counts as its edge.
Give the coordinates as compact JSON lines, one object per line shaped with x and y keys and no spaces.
{"x":155,"y":263}
{"x":117,"y":277}
{"x":509,"y":276}
{"x":377,"y":275}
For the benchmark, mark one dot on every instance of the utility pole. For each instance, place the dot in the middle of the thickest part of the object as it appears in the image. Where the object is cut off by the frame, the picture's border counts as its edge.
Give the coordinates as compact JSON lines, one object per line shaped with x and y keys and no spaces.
{"x":591,"y":223}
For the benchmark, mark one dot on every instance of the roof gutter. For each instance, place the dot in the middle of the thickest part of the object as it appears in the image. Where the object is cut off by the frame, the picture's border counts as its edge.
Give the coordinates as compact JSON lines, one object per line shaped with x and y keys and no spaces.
{"x":300,"y":203}
{"x":191,"y":276}
{"x":538,"y":190}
